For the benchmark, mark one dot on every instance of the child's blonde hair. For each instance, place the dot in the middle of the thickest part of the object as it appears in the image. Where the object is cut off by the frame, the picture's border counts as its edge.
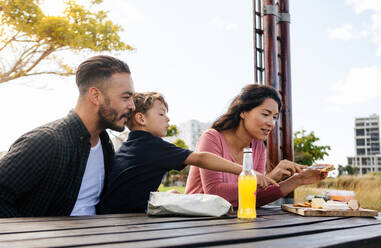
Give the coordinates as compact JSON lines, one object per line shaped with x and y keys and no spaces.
{"x":143,"y":102}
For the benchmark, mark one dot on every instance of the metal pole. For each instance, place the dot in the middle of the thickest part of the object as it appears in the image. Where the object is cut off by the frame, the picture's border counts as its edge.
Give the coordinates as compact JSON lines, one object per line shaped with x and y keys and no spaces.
{"x":271,"y":75}
{"x":285,"y":72}
{"x":258,"y":41}
{"x":255,"y":41}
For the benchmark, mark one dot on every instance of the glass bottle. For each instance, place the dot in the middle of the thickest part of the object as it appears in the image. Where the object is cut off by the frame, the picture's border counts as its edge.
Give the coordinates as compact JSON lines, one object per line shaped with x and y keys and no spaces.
{"x":247,"y":185}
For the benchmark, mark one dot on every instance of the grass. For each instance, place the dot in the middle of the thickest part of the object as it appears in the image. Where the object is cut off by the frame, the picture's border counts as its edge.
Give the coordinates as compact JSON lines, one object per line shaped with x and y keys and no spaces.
{"x":367,"y":189}
{"x":163,"y":189}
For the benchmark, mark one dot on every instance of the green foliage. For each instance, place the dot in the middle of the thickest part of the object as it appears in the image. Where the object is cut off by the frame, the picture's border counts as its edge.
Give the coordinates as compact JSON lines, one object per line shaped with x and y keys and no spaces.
{"x":172,"y":131}
{"x":347,"y":170}
{"x":31,"y":37}
{"x":305,"y":149}
{"x":163,"y":188}
{"x":180,"y":143}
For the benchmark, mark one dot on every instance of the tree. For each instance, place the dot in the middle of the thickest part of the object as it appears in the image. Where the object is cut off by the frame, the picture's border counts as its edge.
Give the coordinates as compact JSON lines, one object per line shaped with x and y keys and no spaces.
{"x":347,"y":170}
{"x":305,"y":149}
{"x":173,"y":131}
{"x":180,"y":143}
{"x":31,"y":42}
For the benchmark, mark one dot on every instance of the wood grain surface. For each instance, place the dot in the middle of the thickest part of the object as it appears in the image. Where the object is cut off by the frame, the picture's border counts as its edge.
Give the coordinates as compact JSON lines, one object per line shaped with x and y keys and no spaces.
{"x":324,"y":212}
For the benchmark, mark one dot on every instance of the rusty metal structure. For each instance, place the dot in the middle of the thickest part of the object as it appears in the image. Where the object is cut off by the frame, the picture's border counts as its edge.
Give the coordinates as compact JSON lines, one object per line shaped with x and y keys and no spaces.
{"x":271,"y":20}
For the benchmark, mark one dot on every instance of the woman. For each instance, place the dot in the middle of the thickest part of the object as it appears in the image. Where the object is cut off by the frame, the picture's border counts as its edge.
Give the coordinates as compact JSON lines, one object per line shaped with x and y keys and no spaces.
{"x":248,"y":122}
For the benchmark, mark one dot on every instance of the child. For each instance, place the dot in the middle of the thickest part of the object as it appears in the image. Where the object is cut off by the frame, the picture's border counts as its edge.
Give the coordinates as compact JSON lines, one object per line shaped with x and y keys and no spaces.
{"x":145,"y":157}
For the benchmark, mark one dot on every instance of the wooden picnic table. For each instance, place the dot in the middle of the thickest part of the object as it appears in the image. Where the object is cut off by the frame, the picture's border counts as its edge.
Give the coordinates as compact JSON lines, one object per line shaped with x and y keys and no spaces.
{"x":273,"y":228}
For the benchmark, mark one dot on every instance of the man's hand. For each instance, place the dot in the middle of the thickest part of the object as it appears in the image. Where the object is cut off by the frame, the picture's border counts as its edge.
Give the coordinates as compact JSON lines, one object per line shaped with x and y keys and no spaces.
{"x":285,"y":169}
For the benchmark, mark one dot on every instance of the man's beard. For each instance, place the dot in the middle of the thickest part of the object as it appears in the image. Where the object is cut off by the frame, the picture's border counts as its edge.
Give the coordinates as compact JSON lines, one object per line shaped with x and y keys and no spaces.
{"x":109,"y":116}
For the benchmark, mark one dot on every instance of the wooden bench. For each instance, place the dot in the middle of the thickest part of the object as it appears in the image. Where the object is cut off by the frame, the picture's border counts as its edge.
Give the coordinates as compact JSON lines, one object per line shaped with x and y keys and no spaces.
{"x":273,"y":228}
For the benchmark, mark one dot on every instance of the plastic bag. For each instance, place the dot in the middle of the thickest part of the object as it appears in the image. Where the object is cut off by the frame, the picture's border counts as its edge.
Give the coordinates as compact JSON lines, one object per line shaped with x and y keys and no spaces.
{"x":162,"y":203}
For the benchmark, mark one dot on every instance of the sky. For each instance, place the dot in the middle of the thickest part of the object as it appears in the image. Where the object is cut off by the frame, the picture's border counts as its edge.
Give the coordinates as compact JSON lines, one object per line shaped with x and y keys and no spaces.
{"x":199,"y":54}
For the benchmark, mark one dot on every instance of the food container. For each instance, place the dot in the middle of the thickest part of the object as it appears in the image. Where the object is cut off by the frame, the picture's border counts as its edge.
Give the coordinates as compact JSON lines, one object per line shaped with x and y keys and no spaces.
{"x":340,"y":195}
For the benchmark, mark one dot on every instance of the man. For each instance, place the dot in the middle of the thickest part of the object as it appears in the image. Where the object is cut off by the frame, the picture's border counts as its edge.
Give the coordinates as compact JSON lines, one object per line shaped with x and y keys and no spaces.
{"x":59,"y":168}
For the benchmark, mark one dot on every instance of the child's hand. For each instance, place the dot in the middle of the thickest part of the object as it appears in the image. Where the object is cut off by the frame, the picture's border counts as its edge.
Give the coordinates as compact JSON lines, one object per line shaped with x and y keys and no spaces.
{"x":173,"y":191}
{"x":263,"y":181}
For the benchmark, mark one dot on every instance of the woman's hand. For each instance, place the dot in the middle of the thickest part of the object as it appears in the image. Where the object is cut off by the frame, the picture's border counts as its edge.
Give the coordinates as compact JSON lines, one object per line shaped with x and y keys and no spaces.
{"x":285,"y":169}
{"x":264,"y":181}
{"x":310,"y":176}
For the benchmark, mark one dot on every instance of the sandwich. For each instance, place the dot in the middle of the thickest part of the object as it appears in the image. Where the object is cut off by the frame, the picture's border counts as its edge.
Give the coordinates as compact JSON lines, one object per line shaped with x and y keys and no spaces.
{"x":322,"y":167}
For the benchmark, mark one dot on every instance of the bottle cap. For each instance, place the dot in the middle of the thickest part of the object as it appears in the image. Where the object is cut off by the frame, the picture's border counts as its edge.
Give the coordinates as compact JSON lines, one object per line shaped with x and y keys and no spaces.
{"x":247,"y":150}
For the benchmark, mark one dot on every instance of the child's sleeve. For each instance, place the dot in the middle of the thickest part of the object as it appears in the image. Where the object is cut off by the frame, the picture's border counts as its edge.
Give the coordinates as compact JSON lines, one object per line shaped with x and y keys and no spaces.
{"x":171,"y":157}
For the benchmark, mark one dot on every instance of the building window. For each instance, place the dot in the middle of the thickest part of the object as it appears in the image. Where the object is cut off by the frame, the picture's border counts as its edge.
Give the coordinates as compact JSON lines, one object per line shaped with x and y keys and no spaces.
{"x":360,"y":132}
{"x":364,"y":161}
{"x":350,"y":161}
{"x":360,"y":151}
{"x":360,"y":142}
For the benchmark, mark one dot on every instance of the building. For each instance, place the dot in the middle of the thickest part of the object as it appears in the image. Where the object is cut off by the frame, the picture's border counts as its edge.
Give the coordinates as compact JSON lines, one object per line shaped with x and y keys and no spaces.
{"x":191,"y":130}
{"x":367,"y":145}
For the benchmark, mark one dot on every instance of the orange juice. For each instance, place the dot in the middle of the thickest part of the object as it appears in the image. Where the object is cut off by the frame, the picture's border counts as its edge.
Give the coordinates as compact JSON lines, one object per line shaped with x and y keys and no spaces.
{"x":247,"y":185}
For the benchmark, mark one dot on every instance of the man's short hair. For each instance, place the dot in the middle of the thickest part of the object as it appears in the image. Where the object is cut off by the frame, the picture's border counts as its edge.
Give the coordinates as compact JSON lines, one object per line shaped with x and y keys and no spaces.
{"x":143,"y":102}
{"x":95,"y":70}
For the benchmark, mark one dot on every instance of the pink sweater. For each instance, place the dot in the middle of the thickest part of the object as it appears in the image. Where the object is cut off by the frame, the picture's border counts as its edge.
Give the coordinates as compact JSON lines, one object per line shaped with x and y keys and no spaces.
{"x":203,"y":181}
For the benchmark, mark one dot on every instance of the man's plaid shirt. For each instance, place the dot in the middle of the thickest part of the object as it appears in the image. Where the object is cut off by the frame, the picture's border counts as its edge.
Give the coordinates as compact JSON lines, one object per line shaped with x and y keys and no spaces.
{"x":42,"y":173}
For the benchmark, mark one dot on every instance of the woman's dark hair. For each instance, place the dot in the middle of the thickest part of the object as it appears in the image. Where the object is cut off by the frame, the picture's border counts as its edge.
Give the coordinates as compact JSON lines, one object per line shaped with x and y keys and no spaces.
{"x":251,"y":96}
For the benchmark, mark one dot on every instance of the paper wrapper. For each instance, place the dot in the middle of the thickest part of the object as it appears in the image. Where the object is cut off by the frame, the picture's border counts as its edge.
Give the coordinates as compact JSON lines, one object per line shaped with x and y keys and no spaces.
{"x":164,"y":204}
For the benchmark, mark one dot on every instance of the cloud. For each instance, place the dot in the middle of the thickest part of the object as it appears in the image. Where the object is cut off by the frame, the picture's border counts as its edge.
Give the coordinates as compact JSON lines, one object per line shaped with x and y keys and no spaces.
{"x":220,"y":24}
{"x":360,"y":85}
{"x":374,"y":7}
{"x":376,"y":32}
{"x":343,"y":33}
{"x":126,"y":12}
{"x":346,"y":32}
{"x":364,"y":5}
{"x":231,"y":27}
{"x":52,"y":7}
